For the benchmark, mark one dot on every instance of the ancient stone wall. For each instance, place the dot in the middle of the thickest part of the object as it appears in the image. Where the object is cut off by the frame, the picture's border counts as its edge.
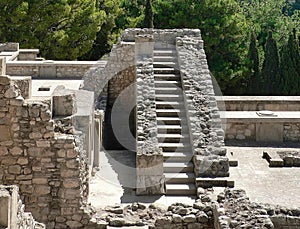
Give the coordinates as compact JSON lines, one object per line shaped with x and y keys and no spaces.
{"x":167,"y":36}
{"x":50,"y":168}
{"x":51,"y":69}
{"x":257,"y":103}
{"x":241,"y":131}
{"x":204,"y":120}
{"x":149,"y":159}
{"x":12,"y":211}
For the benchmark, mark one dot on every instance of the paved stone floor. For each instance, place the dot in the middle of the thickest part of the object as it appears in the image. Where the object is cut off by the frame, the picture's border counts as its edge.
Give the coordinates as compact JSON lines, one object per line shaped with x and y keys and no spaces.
{"x":263,"y":184}
{"x":115,"y":181}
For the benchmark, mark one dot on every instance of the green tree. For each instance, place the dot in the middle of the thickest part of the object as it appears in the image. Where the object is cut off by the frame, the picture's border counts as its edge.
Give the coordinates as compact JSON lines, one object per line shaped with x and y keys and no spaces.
{"x":109,"y":31}
{"x":270,"y":71}
{"x":148,"y":19}
{"x":290,"y":62}
{"x":62,"y":29}
{"x":223,"y":28}
{"x":254,"y":65}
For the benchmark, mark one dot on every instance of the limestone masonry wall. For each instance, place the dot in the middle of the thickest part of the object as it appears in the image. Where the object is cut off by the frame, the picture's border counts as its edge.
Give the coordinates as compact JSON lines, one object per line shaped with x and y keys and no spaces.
{"x":149,"y":159}
{"x":52,"y":69}
{"x":204,"y":120}
{"x":50,"y":168}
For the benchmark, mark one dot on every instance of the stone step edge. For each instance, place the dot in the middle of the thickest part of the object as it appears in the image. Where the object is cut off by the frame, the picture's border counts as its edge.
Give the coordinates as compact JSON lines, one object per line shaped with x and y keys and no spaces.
{"x":214,"y":182}
{"x":273,"y":159}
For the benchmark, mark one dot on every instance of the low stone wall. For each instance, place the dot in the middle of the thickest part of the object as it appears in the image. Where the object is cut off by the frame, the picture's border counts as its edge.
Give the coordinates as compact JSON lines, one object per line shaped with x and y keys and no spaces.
{"x":260,"y":131}
{"x":167,"y":36}
{"x":12,"y":214}
{"x":149,"y":158}
{"x":204,"y":120}
{"x":52,"y":69}
{"x":257,"y":103}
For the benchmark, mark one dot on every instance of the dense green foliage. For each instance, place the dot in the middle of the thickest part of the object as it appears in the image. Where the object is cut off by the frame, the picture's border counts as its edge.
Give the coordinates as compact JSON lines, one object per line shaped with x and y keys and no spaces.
{"x":62,"y":29}
{"x":240,"y":55}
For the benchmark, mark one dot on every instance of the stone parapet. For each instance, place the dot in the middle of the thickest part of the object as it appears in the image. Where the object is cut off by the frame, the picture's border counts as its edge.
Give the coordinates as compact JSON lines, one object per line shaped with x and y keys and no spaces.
{"x":52,"y":69}
{"x":149,"y":157}
{"x":167,"y":36}
{"x":207,"y":136}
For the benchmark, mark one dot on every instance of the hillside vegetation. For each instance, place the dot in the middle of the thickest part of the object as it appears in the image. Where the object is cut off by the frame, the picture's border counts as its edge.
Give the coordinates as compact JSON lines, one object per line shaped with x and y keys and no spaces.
{"x":252,"y":46}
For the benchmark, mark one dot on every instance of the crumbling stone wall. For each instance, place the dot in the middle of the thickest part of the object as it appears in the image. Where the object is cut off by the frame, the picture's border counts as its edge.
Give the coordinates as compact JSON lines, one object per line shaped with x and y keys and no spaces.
{"x":50,"y":168}
{"x":204,"y":120}
{"x":12,"y":212}
{"x":149,"y":159}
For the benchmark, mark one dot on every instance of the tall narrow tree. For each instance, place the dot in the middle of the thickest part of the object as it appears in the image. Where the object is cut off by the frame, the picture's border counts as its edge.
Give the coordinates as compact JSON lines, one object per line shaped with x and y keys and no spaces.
{"x":290,"y":70}
{"x":270,"y":71}
{"x":148,"y":20}
{"x":254,"y":65}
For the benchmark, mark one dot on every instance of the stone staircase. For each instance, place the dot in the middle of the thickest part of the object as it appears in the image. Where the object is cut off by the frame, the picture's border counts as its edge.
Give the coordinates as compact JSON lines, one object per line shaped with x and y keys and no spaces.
{"x":173,"y":133}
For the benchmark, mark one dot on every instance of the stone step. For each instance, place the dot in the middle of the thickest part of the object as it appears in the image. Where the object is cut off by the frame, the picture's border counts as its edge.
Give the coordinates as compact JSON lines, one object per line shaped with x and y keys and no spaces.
{"x":165,"y":65}
{"x":214,"y":182}
{"x":169,"y":105}
{"x":164,"y":52}
{"x":181,"y":189}
{"x":178,"y":167}
{"x":175,"y":146}
{"x":173,"y":137}
{"x":169,"y":129}
{"x":171,"y":121}
{"x":168,"y":97}
{"x":169,"y":112}
{"x":167,"y":83}
{"x":167,"y":90}
{"x":166,"y":58}
{"x":165,"y":77}
{"x":165,"y":70}
{"x":178,"y":156}
{"x":179,"y":178}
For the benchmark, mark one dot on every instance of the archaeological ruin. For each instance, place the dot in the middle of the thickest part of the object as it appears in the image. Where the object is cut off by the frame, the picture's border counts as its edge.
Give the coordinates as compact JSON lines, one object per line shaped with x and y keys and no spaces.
{"x":155,"y":103}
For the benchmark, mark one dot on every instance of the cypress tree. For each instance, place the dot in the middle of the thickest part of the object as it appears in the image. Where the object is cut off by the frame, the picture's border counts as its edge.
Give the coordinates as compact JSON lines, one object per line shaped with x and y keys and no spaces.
{"x":270,"y":70}
{"x":254,"y":65}
{"x":290,"y":72}
{"x":148,"y":20}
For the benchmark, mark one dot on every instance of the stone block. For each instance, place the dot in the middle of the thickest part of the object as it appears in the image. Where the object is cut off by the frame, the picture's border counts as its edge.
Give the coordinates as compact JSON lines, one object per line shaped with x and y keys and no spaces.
{"x":269,"y":132}
{"x":24,"y":84}
{"x":148,"y":164}
{"x":64,"y":102}
{"x":5,"y":201}
{"x":5,"y":134}
{"x":2,"y":67}
{"x":150,"y":185}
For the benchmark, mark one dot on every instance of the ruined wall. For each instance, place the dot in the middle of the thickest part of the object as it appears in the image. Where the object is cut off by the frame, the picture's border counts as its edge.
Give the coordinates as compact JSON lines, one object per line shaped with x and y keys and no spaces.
{"x":204,"y":120}
{"x":149,"y":159}
{"x":241,"y":131}
{"x":257,"y":103}
{"x":50,"y":168}
{"x":52,"y":69}
{"x":12,"y":214}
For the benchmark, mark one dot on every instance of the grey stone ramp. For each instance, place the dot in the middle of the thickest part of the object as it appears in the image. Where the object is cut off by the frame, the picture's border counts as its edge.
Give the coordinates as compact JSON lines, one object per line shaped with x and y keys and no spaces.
{"x":264,"y":184}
